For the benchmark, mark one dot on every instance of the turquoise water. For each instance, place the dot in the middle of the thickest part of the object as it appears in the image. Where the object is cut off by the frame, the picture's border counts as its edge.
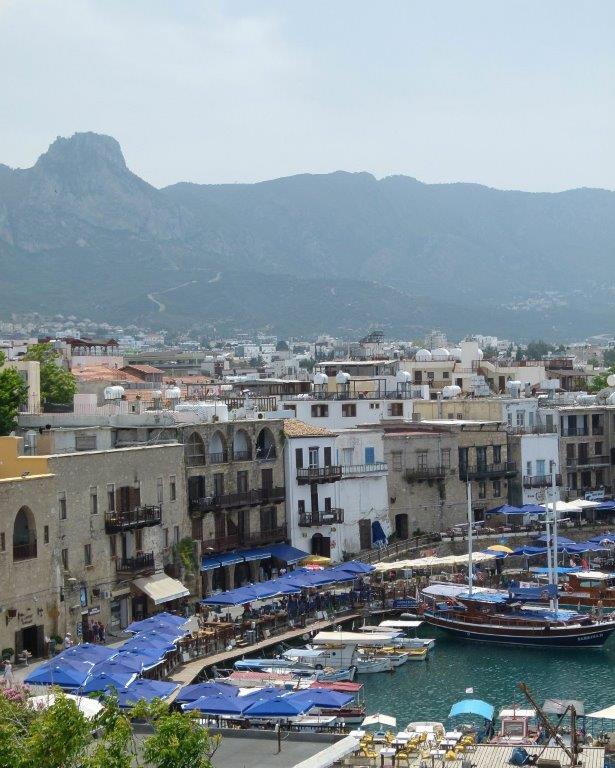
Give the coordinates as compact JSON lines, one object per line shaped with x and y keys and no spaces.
{"x":426,"y":690}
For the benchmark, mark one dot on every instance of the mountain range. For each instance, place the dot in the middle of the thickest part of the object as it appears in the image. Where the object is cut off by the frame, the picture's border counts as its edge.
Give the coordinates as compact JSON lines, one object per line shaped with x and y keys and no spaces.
{"x":341,"y":252}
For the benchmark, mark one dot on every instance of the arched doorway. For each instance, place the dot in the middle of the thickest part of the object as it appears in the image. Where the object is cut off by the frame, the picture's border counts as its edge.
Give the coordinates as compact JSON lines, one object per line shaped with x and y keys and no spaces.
{"x":321,"y":545}
{"x":242,"y":446}
{"x":195,"y":450}
{"x":24,"y":535}
{"x":401,"y":526}
{"x":265,"y":445}
{"x":217,"y":449}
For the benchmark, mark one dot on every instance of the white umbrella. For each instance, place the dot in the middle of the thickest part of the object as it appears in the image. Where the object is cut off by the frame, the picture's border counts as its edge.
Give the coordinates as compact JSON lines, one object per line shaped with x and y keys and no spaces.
{"x":89,"y":707}
{"x":380,"y":720}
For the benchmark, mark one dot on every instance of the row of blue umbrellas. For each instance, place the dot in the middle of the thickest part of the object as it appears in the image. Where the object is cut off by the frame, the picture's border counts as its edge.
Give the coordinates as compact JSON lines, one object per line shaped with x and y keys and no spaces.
{"x":291,"y":583}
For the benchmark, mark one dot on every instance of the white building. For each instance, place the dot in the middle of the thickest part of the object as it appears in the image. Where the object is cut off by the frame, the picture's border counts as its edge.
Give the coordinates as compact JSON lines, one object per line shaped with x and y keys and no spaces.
{"x":336,"y":489}
{"x":537,"y":456}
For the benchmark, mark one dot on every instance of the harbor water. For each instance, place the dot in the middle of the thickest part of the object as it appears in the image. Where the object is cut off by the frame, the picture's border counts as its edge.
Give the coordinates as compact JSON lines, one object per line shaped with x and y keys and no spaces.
{"x":426,"y":690}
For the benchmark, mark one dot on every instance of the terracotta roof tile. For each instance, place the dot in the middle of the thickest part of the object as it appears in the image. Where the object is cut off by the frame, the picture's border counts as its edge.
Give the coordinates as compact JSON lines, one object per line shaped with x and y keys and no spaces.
{"x":296,"y":428}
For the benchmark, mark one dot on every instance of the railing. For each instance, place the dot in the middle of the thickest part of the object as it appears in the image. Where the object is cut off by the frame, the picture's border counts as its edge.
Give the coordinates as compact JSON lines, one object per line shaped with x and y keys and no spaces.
{"x":246,"y":498}
{"x":575,"y":431}
{"x":137,"y":563}
{"x":218,"y":458}
{"x":235,"y":541}
{"x":319,"y":474}
{"x":425,"y":473}
{"x":398,"y":548}
{"x":535,"y":429}
{"x":326,"y":517}
{"x":141,"y":517}
{"x":598,"y":429}
{"x":479,"y":471}
{"x":24,"y":551}
{"x":242,"y":455}
{"x":540,"y":481}
{"x":266,"y":454}
{"x":588,"y":461}
{"x":352,"y":470}
{"x":379,"y":394}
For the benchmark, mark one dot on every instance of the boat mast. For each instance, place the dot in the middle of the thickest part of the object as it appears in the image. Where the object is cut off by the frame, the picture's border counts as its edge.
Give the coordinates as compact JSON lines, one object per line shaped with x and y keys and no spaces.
{"x":470,"y":534}
{"x":555,"y":602}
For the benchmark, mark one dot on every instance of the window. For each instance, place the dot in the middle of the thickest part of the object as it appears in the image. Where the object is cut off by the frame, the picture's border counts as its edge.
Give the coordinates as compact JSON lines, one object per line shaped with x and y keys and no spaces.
{"x":446,"y":375}
{"x":460,"y":416}
{"x":172,"y":488}
{"x":520,"y":418}
{"x":301,"y":506}
{"x":540,"y":467}
{"x":111,"y":497}
{"x":139,"y":540}
{"x":45,"y":534}
{"x":509,"y":419}
{"x":85,"y":443}
{"x":430,"y":375}
{"x":570,"y":451}
{"x":87,"y":555}
{"x":320,"y":411}
{"x":497,"y":454}
{"x":528,"y":468}
{"x":396,"y":460}
{"x":531,"y":418}
{"x":2,"y":542}
{"x":598,"y":449}
{"x":62,"y":504}
{"x":349,"y":409}
{"x":482,"y":490}
{"x":599,"y":477}
{"x":65,"y":559}
{"x":93,"y":500}
{"x":497,"y":488}
{"x":374,"y":406}
{"x":327,"y":456}
{"x":481,"y":456}
{"x":421,"y":459}
{"x":463,"y":457}
{"x":159,"y":490}
{"x":450,"y":415}
{"x":218,"y":484}
{"x":176,"y":534}
{"x":445,"y":457}
{"x":370,"y":456}
{"x":313,"y":457}
{"x":299,"y":458}
{"x":113,"y":545}
{"x":242,"y":481}
{"x":165,"y":538}
{"x":396,"y":409}
{"x":347,"y":456}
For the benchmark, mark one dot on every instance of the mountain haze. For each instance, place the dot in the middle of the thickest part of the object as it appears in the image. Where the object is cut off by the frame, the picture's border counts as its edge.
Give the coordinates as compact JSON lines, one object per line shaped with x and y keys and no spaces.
{"x":340,"y":252}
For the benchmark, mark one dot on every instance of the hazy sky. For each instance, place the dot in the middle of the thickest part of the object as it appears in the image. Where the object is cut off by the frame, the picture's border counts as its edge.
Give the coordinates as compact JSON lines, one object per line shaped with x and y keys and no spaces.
{"x":510,"y":93}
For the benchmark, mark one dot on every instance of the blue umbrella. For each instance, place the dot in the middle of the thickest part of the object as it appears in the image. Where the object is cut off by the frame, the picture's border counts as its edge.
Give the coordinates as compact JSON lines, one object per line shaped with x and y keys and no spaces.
{"x":146,"y":690}
{"x":87,"y":652}
{"x":218,"y":705}
{"x":354,"y":566}
{"x":103,"y":681}
{"x":157,"y":622}
{"x":138,"y":662}
{"x":168,"y":635}
{"x":63,"y":673}
{"x":193,"y":692}
{"x":279,"y":706}
{"x":322,"y":697}
{"x":149,"y":647}
{"x":542,"y":539}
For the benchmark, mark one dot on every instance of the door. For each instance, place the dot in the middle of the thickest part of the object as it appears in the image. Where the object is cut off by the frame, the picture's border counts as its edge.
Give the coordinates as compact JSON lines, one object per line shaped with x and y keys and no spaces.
{"x":401,"y":526}
{"x":29,"y":640}
{"x":266,"y":481}
{"x":365,"y":534}
{"x":321,"y":545}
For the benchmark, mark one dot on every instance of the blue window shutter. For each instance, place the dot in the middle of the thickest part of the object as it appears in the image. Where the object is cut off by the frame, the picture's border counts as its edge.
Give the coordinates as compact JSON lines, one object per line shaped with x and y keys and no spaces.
{"x":369,"y":455}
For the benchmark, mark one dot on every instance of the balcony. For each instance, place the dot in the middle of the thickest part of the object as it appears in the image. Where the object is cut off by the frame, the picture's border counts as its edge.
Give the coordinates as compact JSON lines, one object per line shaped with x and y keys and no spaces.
{"x":236,"y":541}
{"x":25,"y":551}
{"x":319,"y":474}
{"x":356,"y":470}
{"x":540,"y":481}
{"x":327,"y":517}
{"x":575,"y":431}
{"x":142,"y":562}
{"x":487,"y":471}
{"x":597,"y":429}
{"x":234,"y":500}
{"x":416,"y":474}
{"x":588,"y":461}
{"x":536,"y":429}
{"x":217,"y":458}
{"x":141,"y":517}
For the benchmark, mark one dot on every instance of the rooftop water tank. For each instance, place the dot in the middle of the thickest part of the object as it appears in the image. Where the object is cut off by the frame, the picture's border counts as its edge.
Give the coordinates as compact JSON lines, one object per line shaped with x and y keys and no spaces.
{"x":514,"y":388}
{"x":342,"y":377}
{"x":585,"y":399}
{"x":456,"y":353}
{"x":403,"y":377}
{"x":452,"y":390}
{"x":423,"y":356}
{"x":320,"y":379}
{"x":114,"y":393}
{"x":173,"y":393}
{"x":439,"y":354}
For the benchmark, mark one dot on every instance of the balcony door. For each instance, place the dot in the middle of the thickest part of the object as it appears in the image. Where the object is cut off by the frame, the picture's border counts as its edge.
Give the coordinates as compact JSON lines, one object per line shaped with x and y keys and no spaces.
{"x":266,"y":481}
{"x":314,"y":497}
{"x":481,"y":457}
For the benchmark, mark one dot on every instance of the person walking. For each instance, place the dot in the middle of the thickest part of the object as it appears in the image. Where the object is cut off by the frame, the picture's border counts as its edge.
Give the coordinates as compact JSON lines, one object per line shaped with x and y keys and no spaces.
{"x":68,"y":640}
{"x":8,"y":674}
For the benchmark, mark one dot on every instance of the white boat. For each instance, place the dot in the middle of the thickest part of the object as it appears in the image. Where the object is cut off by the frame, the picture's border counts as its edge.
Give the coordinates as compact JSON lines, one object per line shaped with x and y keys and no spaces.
{"x":371,"y":665}
{"x":406,"y":626}
{"x":320,"y":656}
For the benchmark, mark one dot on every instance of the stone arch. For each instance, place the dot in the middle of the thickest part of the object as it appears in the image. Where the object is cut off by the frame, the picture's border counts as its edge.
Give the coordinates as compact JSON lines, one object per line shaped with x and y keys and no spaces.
{"x":217,"y":452}
{"x":242,"y":445}
{"x":195,"y":450}
{"x":24,"y":535}
{"x":265,"y":445}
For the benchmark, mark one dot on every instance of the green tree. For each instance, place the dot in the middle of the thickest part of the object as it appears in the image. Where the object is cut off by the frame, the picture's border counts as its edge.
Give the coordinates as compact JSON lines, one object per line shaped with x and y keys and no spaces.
{"x":58,"y":736}
{"x":537,"y":350}
{"x":57,"y":384}
{"x":178,"y":740}
{"x":490,"y":352}
{"x":13,"y":394}
{"x":600,"y":382}
{"x":609,"y":356}
{"x":116,"y":746}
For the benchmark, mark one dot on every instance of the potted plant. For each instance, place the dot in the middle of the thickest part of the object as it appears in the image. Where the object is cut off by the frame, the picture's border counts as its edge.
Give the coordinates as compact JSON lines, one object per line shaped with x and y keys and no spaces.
{"x":7,"y":654}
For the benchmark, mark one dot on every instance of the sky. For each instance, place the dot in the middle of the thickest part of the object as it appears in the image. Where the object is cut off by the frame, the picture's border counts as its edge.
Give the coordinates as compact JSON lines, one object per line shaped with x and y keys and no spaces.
{"x":515,"y":94}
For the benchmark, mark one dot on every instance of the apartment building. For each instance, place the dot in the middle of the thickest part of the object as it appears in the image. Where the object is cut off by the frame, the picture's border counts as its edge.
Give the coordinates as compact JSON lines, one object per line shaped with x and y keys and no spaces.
{"x":88,"y":536}
{"x":336,"y":489}
{"x":537,"y":457}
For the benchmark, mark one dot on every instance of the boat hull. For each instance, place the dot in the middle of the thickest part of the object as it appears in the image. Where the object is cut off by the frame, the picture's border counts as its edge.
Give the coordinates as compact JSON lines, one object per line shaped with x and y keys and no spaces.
{"x":585,"y":637}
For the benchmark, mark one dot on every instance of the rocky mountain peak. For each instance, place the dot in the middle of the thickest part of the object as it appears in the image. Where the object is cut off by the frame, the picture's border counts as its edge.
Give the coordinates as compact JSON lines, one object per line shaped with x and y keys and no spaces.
{"x":82,"y":152}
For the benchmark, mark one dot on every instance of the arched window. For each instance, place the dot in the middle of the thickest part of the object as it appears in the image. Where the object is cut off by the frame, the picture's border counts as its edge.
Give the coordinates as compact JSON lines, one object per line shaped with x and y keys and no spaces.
{"x":24,"y":535}
{"x":217,"y":449}
{"x":242,"y":446}
{"x":195,"y":450}
{"x":265,"y":445}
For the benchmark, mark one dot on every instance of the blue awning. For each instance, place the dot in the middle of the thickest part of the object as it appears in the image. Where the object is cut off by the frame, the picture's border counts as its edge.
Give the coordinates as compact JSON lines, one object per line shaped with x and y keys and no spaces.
{"x":378,"y":533}
{"x":211,"y":562}
{"x":261,"y":553}
{"x":472,"y":707}
{"x":290,"y":555}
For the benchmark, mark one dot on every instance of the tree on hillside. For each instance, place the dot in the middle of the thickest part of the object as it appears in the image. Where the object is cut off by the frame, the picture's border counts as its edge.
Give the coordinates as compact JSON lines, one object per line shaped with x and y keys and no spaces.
{"x":57,"y":384}
{"x":537,"y":350}
{"x":13,"y":394}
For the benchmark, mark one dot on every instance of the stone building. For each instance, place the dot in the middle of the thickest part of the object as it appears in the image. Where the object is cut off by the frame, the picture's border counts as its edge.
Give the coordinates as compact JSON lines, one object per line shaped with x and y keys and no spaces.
{"x":236,"y":495}
{"x":88,"y":536}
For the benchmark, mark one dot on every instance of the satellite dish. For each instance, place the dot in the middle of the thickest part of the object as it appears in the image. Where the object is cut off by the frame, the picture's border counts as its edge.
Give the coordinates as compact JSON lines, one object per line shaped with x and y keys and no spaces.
{"x":610,"y":380}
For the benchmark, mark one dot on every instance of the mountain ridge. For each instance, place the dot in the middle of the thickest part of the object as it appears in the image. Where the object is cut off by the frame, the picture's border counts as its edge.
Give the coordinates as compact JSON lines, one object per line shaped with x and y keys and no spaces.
{"x":472,"y":252}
